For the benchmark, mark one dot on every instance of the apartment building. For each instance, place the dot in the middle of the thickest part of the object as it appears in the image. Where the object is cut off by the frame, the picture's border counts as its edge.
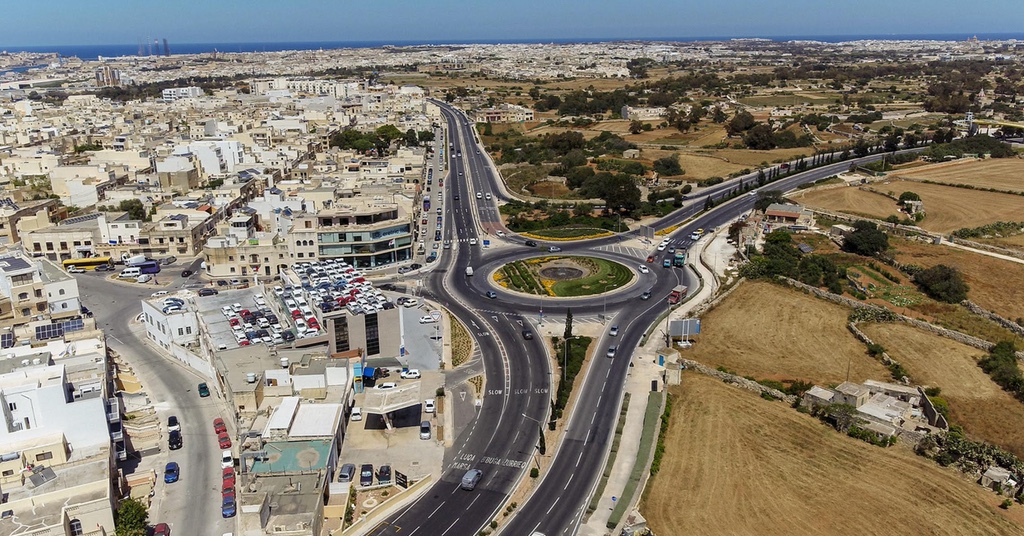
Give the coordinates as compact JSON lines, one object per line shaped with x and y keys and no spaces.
{"x":643,"y":114}
{"x":178,"y":93}
{"x":60,"y":434}
{"x":177,"y":234}
{"x":31,"y":288}
{"x":12,"y":212}
{"x":363,"y":233}
{"x":503,"y":113}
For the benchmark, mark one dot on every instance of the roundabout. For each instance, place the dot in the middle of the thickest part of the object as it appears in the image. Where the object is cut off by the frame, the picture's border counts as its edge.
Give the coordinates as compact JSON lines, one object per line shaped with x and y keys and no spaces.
{"x":563,"y":276}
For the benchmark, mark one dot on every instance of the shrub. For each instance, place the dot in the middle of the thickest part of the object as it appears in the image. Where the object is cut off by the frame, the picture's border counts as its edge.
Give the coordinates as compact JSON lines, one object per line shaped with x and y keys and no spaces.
{"x":876,"y":350}
{"x":942,"y":283}
{"x":534,"y":472}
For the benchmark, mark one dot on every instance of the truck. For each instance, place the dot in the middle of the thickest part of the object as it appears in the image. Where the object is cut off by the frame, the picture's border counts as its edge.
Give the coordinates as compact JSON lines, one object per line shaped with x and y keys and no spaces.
{"x":133,"y":260}
{"x":680,"y":258}
{"x":677,"y":294}
{"x":469,"y":271}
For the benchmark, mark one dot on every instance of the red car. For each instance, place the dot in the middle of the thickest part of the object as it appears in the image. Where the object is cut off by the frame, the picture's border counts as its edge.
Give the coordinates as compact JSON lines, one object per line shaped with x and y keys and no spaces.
{"x":218,"y":426}
{"x":161,"y":529}
{"x":233,"y":321}
{"x":245,"y":343}
{"x":650,"y":258}
{"x":296,"y":314}
{"x":245,"y":312}
{"x":223,"y":440}
{"x":229,"y":478}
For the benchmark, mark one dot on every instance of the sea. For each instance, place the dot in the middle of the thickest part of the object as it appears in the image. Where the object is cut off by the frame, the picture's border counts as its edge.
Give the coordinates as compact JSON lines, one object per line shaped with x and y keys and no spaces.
{"x":92,"y":52}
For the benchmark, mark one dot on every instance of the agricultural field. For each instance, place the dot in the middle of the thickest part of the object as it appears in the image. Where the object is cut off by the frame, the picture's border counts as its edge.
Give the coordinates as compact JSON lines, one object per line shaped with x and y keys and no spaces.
{"x":986,"y":411}
{"x":995,"y":283}
{"x":948,"y":208}
{"x":738,"y":464}
{"x":998,"y":173}
{"x":773,"y":332}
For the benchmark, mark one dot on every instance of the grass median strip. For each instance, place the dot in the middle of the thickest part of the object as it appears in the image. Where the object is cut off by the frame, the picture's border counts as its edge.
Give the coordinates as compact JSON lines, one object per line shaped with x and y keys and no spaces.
{"x":652,"y":421}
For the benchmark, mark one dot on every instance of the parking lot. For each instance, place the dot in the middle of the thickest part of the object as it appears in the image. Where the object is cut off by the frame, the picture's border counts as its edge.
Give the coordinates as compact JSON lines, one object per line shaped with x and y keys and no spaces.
{"x":217,"y":324}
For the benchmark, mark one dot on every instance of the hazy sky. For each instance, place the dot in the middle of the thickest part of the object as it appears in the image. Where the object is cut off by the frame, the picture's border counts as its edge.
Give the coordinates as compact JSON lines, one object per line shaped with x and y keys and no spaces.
{"x":66,"y":22}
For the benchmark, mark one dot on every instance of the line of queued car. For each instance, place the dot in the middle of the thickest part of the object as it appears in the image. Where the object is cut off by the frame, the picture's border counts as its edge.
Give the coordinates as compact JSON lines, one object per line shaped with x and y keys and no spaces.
{"x":259,"y":325}
{"x":172,"y":471}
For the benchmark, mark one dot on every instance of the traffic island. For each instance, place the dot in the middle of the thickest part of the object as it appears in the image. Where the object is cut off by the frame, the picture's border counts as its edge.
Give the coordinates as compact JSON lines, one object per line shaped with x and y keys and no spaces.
{"x":563,"y":276}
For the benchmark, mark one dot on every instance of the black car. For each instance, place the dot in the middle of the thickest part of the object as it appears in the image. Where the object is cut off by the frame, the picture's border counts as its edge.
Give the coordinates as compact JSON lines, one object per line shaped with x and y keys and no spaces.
{"x":288,"y":336}
{"x":384,"y":474}
{"x":366,"y":475}
{"x":531,"y":243}
{"x":646,"y":295}
{"x":104,"y":268}
{"x":415,"y":266}
{"x":186,"y":273}
{"x":388,"y":286}
{"x":527,"y":334}
{"x":432,"y":257}
{"x":174,"y":440}
{"x":456,"y":197}
{"x":222,"y":283}
{"x":208,"y":292}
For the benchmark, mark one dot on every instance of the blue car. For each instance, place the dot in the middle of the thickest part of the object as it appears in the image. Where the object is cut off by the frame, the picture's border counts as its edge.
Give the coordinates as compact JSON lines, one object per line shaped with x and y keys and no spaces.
{"x":227,"y":506}
{"x":171,"y":472}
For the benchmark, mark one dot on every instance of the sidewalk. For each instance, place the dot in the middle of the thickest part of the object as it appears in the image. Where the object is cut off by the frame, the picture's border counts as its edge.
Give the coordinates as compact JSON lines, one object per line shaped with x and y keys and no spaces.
{"x":638,"y":384}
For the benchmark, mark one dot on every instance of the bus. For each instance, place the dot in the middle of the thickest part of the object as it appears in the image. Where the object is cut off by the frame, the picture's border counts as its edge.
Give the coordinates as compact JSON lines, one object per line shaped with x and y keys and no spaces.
{"x":148,"y":267}
{"x":89,"y":263}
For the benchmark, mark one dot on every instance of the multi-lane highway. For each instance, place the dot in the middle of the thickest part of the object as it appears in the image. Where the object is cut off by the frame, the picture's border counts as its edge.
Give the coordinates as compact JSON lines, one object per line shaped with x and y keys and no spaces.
{"x":517,"y":391}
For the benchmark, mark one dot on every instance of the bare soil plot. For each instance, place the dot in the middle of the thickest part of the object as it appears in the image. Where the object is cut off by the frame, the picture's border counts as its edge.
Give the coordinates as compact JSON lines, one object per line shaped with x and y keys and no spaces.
{"x":995,"y":284}
{"x":986,"y":412}
{"x":775,"y":332}
{"x":850,"y":200}
{"x":1000,"y":173}
{"x":737,"y":464}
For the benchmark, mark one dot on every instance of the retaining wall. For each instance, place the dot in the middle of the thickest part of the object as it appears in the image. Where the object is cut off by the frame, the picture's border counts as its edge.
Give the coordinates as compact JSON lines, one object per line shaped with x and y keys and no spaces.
{"x":985,"y":247}
{"x":738,"y":381}
{"x":1006,"y":323}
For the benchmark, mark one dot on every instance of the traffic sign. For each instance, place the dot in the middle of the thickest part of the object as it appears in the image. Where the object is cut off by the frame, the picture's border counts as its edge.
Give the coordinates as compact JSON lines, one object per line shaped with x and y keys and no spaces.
{"x":436,"y":315}
{"x":401,"y":480}
{"x":487,"y":243}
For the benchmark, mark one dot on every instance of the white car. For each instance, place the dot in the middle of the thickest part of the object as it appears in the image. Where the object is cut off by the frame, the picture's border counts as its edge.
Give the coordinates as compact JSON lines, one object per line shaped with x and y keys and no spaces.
{"x":410,"y":374}
{"x":386,"y":385}
{"x":500,"y":234}
{"x":411,"y":302}
{"x":236,"y":307}
{"x":429,"y":405}
{"x":160,"y":293}
{"x":472,"y":241}
{"x":662,"y":246}
{"x":226,"y":459}
{"x":643,"y":269}
{"x":427,"y":319}
{"x":75,"y":270}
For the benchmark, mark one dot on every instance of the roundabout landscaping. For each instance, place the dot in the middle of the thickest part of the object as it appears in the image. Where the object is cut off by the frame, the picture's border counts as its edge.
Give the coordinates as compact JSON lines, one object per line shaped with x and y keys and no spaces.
{"x":563,"y":276}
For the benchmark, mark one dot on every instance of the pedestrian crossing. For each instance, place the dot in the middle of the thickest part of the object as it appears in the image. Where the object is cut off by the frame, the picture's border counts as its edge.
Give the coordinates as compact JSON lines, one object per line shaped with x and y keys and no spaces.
{"x":638,"y":253}
{"x":535,"y":318}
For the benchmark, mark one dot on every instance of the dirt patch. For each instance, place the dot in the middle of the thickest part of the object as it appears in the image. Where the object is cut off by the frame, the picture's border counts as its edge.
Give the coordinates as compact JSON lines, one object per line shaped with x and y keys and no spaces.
{"x":769,"y":331}
{"x":948,"y":208}
{"x":999,"y":173}
{"x":985,"y":411}
{"x":995,"y":283}
{"x":738,"y":464}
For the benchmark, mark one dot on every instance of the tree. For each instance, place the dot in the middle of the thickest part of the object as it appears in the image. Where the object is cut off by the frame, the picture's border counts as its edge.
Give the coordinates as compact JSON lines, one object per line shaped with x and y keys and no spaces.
{"x":568,"y":325}
{"x":740,"y":123}
{"x":760,"y":137}
{"x":388,"y":133}
{"x":134,"y":208}
{"x":132,"y":519}
{"x":668,"y":165}
{"x":425,"y":136}
{"x":766,"y":198}
{"x":717,"y":115}
{"x":709,"y":203}
{"x":943,"y":283}
{"x":842,"y":416}
{"x":411,"y":139}
{"x":635,"y":127}
{"x":866,"y":239}
{"x":909,"y":196}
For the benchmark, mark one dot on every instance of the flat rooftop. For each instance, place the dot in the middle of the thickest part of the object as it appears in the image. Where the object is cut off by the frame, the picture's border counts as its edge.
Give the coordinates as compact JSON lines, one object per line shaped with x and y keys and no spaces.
{"x":294,"y":456}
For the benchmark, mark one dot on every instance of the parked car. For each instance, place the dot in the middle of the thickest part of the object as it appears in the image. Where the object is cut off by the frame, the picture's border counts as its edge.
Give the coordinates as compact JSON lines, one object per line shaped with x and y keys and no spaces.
{"x":227,"y":475}
{"x":429,"y":406}
{"x":386,"y":385}
{"x":161,"y":529}
{"x":218,"y":426}
{"x":171,"y":472}
{"x":410,"y":374}
{"x":384,"y":474}
{"x":425,"y":430}
{"x":172,"y":424}
{"x":227,"y":459}
{"x":204,"y":390}
{"x":208,"y":292}
{"x":174,"y":440}
{"x":348,"y":471}
{"x":366,"y":475}
{"x":357,"y":414}
{"x":224,"y":440}
{"x":227,"y":506}
{"x":427,"y":319}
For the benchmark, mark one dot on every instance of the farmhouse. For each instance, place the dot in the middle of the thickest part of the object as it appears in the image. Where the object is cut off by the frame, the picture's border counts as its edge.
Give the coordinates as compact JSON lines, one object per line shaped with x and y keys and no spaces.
{"x":851,"y":393}
{"x":788,"y":214}
{"x":998,"y":479}
{"x":884,"y":409}
{"x":818,"y":396}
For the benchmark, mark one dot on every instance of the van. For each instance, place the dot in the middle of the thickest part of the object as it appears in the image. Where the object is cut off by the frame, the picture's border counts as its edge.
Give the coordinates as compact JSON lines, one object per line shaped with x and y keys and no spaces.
{"x":130,"y":273}
{"x":425,"y":430}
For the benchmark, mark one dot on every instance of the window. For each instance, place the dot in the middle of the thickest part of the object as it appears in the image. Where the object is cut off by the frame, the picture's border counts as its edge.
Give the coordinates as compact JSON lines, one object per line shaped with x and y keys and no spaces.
{"x":8,"y":472}
{"x":39,"y":293}
{"x":232,"y":269}
{"x":23,"y":296}
{"x":181,"y":331}
{"x":76,"y":528}
{"x":26,"y":312}
{"x":63,"y":245}
{"x":372,"y":335}
{"x":188,"y":330}
{"x":300,"y":255}
{"x":49,"y":246}
{"x":61,"y":292}
{"x":341,"y":334}
{"x":43,"y":456}
{"x":12,"y":406}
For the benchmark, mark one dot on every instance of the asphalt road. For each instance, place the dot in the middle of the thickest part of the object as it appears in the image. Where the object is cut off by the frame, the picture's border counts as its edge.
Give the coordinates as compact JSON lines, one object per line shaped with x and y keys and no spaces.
{"x":518,"y":390}
{"x":191,"y":505}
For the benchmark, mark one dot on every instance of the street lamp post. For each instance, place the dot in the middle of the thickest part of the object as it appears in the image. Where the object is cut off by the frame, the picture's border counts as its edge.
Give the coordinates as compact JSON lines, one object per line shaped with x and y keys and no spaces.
{"x":540,"y":430}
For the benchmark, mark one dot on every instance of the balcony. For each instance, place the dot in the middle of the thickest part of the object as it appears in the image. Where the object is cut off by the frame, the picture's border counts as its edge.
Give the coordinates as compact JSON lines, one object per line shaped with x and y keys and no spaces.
{"x":116,"y":432}
{"x":113,"y":410}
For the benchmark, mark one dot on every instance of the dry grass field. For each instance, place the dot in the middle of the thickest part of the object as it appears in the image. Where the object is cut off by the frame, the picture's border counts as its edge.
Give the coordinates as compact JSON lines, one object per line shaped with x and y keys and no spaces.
{"x":772,"y":332}
{"x":948,"y":208}
{"x":740,"y":465}
{"x":985,"y":411}
{"x":995,"y":283}
{"x":1010,"y":242}
{"x":1000,"y":173}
